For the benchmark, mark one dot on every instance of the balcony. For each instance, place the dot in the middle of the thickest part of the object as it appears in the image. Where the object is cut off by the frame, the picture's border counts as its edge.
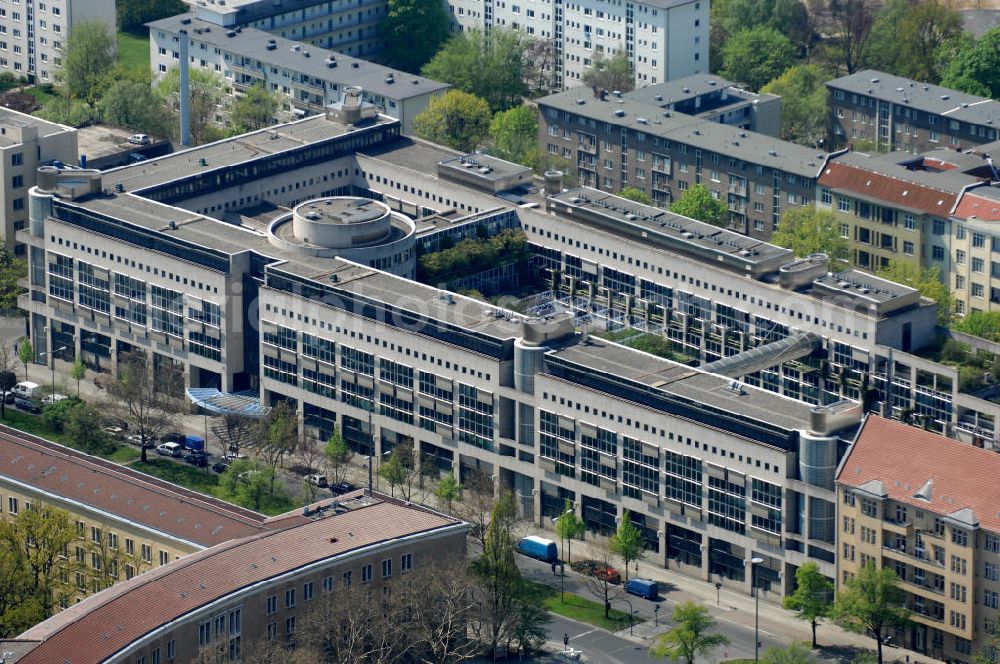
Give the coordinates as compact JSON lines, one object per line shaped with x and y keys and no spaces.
{"x":924,"y":590}
{"x":923,"y":562}
{"x":893,"y":526}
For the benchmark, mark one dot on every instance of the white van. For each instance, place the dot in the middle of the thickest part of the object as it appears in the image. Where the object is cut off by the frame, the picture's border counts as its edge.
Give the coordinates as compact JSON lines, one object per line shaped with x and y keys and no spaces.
{"x":170,"y":449}
{"x":26,"y":390}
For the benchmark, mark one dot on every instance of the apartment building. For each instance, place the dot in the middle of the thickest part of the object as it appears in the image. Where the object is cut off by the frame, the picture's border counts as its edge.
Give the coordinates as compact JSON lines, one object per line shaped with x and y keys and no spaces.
{"x":27,"y":142}
{"x":308,"y":78}
{"x":127,"y":522}
{"x":201,"y":258}
{"x":33,"y":34}
{"x":894,"y":113}
{"x":644,"y":139}
{"x":349,"y":28}
{"x":664,"y":40}
{"x":934,"y":523}
{"x":225,"y":598}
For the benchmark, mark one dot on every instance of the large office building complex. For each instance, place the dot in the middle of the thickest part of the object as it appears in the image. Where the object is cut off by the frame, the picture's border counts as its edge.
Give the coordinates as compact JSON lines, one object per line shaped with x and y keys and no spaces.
{"x":895,"y":113}
{"x":664,"y":40}
{"x":33,"y":35}
{"x":664,"y":139}
{"x":283,"y":262}
{"x":936,"y":524}
{"x":309,"y":78}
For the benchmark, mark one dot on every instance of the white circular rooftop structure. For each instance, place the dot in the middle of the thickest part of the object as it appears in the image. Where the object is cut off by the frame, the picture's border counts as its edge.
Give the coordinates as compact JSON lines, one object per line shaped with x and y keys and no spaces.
{"x":358,"y":229}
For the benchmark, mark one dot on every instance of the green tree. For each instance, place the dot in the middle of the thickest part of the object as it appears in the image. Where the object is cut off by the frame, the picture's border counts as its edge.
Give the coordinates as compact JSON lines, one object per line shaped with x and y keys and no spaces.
{"x":398,"y":470}
{"x":611,"y":74}
{"x":789,"y":17}
{"x":926,"y":27}
{"x":133,"y":15}
{"x":254,"y":109}
{"x":338,"y":455}
{"x":887,"y":35}
{"x":12,"y":269}
{"x":456,"y":119}
{"x":756,"y":55}
{"x":499,"y":575}
{"x":88,"y":56}
{"x":80,"y":426}
{"x":636,"y":194}
{"x":129,"y":104}
{"x":972,"y":65}
{"x":515,"y":135}
{"x":808,"y":230}
{"x":146,"y":398}
{"x":490,"y":65}
{"x":793,"y":653}
{"x":872,"y":603}
{"x":207,"y":91}
{"x":851,"y":22}
{"x":812,"y":598}
{"x":448,"y":489}
{"x":803,"y":95}
{"x":927,"y":280}
{"x":985,"y":324}
{"x":628,"y":543}
{"x":278,"y":435}
{"x":405,"y":19}
{"x":568,"y":527}
{"x":698,"y":203}
{"x":78,"y":371}
{"x":690,"y":635}
{"x":25,"y":353}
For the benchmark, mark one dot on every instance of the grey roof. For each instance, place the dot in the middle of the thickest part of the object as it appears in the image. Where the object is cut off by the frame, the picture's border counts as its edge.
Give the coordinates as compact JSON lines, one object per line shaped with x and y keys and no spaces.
{"x":12,"y":118}
{"x":965,"y":517}
{"x":933,"y":99}
{"x":670,"y":377}
{"x":874,"y":488}
{"x":308,"y":59}
{"x":749,"y":146}
{"x":690,"y":87}
{"x":252,"y":10}
{"x":894,"y":165}
{"x":498,"y":169}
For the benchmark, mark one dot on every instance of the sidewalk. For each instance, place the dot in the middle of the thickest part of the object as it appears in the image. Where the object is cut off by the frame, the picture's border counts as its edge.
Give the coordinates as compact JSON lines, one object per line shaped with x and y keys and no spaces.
{"x":737,"y":607}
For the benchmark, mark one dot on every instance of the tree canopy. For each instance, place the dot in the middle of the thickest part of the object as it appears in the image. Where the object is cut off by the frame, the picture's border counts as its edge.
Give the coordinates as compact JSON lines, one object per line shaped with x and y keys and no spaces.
{"x":698,"y":203}
{"x":808,"y":230}
{"x":972,"y":65}
{"x":789,"y":17}
{"x":927,"y":280}
{"x":612,"y":74}
{"x":412,"y":32}
{"x":984,"y":324}
{"x":207,"y":94}
{"x":627,"y":543}
{"x":872,"y":602}
{"x":133,"y":15}
{"x":757,"y":55}
{"x":88,"y":56}
{"x":254,"y":109}
{"x":803,"y":93}
{"x":690,"y":637}
{"x":490,"y":65}
{"x":636,"y":194}
{"x":515,"y":135}
{"x":12,"y":269}
{"x":129,"y":103}
{"x":813,"y":596}
{"x":456,"y":119}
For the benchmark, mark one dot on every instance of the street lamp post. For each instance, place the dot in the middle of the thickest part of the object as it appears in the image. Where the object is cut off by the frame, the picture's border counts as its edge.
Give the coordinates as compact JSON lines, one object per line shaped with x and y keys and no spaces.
{"x":656,"y":615}
{"x":52,"y":363}
{"x":631,"y":614}
{"x":756,"y":560}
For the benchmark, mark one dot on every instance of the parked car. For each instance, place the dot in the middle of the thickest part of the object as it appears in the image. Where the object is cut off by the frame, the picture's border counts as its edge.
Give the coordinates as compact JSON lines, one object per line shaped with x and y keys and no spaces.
{"x":317,"y":480}
{"x":597,"y":569}
{"x":27,"y":403}
{"x":193,"y":443}
{"x":137,"y":440}
{"x":170,"y":449}
{"x":220,"y":467}
{"x":8,"y":396}
{"x":26,"y":390}
{"x":342,"y":487}
{"x":114,"y":432}
{"x":644,"y":588}
{"x":172,"y":437}
{"x":139,"y":139}
{"x":537,"y":547}
{"x":233,"y":456}
{"x":50,"y":399}
{"x":196,"y":459}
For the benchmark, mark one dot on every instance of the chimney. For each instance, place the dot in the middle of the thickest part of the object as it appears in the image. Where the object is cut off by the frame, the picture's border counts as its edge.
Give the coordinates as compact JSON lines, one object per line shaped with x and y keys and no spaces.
{"x":553,"y":186}
{"x":184,"y":89}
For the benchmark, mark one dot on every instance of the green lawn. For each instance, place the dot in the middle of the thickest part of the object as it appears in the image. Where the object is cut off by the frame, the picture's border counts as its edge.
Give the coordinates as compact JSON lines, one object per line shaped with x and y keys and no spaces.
{"x":581,"y":608}
{"x":32,"y":424}
{"x":42,"y":96}
{"x":133,"y":51}
{"x":199,"y":479}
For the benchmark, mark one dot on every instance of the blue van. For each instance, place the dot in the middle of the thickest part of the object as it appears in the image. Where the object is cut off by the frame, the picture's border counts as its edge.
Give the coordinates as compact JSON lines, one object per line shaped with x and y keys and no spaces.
{"x":643,"y":588}
{"x":536,"y":547}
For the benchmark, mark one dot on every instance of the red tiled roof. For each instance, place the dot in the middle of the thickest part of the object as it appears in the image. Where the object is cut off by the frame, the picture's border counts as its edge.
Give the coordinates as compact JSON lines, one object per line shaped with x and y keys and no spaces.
{"x":985,"y":209}
{"x":892,"y":190}
{"x":904,"y":458}
{"x":123,"y":492}
{"x":103,"y":624}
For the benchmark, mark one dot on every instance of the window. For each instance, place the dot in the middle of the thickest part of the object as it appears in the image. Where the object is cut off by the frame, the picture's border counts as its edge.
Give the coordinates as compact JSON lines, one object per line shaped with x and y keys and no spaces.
{"x":307,"y":591}
{"x":977,"y":290}
{"x":937,"y":252}
{"x":406,"y":562}
{"x":844,"y":204}
{"x":959,"y":537}
{"x":366,"y":574}
{"x":960,"y":257}
{"x":909,"y":223}
{"x":289,"y":625}
{"x":272,"y":604}
{"x":387,"y":568}
{"x":907,"y":248}
{"x":977,"y":265}
{"x":289,"y":598}
{"x":147,"y":553}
